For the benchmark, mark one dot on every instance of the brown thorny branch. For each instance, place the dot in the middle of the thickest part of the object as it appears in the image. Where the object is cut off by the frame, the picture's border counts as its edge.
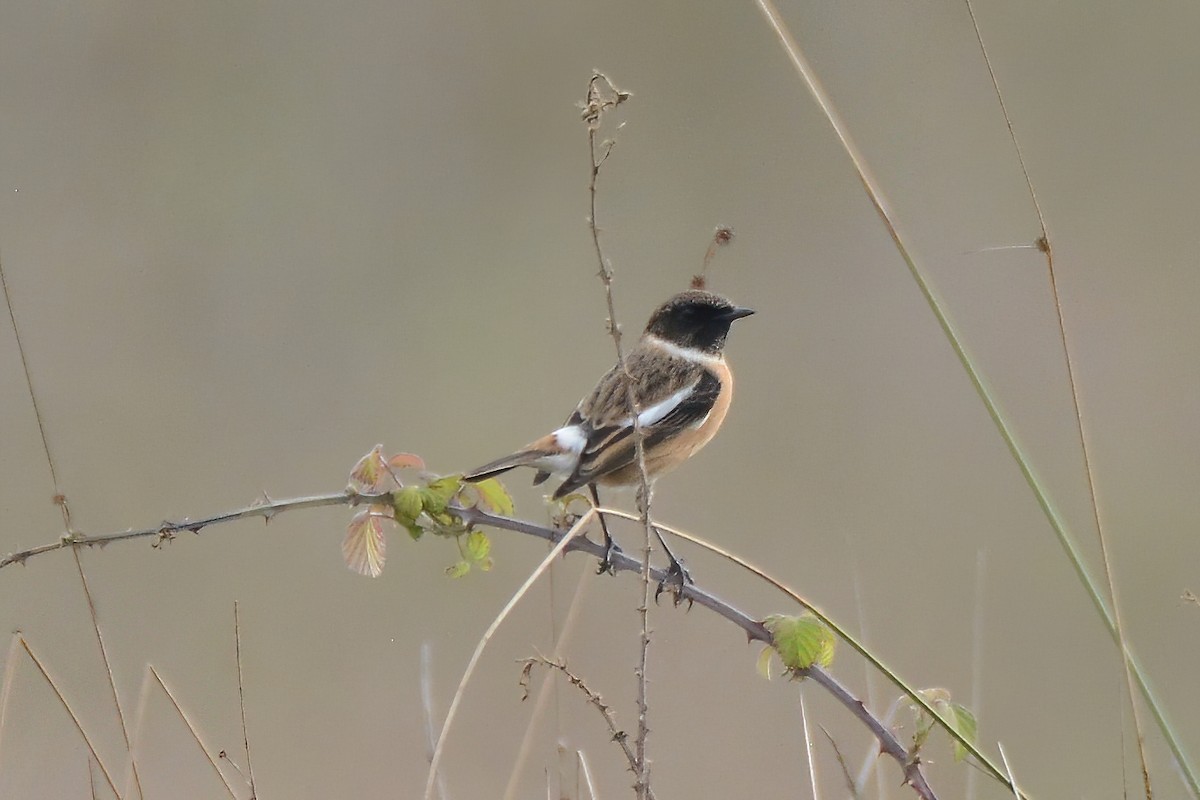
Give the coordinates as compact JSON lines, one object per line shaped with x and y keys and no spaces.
{"x":593,"y":698}
{"x":694,"y":593}
{"x":603,"y":96}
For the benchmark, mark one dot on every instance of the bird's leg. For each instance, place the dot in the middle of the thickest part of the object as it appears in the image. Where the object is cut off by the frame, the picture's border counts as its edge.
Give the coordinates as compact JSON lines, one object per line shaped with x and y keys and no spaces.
{"x":677,"y":574}
{"x":610,"y":546}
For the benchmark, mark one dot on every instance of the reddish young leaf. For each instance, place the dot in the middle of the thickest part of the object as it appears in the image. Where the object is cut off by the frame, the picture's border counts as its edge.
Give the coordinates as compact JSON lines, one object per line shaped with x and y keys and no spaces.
{"x":370,"y":473}
{"x":405,"y":460}
{"x":365,"y":547}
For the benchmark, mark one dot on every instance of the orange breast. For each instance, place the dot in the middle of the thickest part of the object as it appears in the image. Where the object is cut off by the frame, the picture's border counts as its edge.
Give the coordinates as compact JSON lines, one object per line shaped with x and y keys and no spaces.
{"x":708,"y":428}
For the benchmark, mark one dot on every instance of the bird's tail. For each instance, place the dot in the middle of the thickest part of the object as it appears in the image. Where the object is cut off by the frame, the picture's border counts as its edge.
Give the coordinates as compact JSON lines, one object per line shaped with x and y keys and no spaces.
{"x":522,"y":458}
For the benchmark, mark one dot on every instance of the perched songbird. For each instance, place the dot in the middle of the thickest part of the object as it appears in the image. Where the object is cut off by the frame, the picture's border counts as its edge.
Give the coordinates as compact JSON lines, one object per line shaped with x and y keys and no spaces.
{"x":681,"y":386}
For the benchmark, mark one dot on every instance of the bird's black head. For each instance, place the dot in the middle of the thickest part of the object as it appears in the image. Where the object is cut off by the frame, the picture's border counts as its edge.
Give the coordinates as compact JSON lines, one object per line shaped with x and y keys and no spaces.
{"x":696,"y":319}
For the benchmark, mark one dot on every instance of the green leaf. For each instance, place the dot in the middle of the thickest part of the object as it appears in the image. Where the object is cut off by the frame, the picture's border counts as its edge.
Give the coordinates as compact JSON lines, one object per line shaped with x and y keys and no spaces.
{"x":408,"y":504}
{"x":925,"y":723}
{"x":967,"y":727}
{"x":800,"y":641}
{"x":453,"y":527}
{"x":575,"y":497}
{"x":956,"y":715}
{"x":478,"y":546}
{"x":437,"y":494}
{"x":458,"y":569}
{"x":431,"y":501}
{"x":764,"y":662}
{"x":447,"y":486}
{"x":493,"y":495}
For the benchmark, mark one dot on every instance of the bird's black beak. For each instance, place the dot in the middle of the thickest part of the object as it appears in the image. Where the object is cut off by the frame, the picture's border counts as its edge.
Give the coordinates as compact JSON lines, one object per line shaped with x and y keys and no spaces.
{"x":737,"y":312}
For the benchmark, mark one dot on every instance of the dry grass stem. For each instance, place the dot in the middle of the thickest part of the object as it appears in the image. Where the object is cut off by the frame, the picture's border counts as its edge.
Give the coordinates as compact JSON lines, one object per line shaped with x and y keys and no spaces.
{"x":870,"y":764}
{"x":977,"y":627}
{"x":546,"y":687}
{"x":1057,"y":523}
{"x":1044,"y":244}
{"x":37,"y":662}
{"x":809,"y":750}
{"x":108,"y":673}
{"x":10,"y":674}
{"x":435,"y":759}
{"x":237,"y":642}
{"x":37,"y":412}
{"x":191,"y":726}
{"x":427,"y":710}
{"x":1012,"y":780}
{"x":587,"y":776}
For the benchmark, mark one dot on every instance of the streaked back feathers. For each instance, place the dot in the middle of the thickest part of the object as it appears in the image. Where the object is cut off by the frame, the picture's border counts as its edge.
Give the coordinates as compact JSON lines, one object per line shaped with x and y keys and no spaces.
{"x":681,"y":387}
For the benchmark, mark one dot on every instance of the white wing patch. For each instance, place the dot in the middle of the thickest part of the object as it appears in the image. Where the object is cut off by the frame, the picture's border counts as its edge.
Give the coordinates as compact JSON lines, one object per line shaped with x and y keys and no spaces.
{"x":656,"y":412}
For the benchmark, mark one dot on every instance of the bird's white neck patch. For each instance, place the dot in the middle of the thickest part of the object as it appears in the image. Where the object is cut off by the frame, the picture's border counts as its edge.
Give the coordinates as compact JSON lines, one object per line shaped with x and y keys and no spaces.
{"x":686,"y":353}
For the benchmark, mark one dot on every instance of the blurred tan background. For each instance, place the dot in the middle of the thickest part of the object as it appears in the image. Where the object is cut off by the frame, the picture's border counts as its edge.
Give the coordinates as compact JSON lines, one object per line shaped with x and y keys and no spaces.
{"x":247,"y":241}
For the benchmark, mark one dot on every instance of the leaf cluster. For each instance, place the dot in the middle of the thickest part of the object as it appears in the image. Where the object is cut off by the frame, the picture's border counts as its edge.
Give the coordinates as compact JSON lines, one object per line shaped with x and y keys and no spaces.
{"x":957,"y":716}
{"x":424,"y":504}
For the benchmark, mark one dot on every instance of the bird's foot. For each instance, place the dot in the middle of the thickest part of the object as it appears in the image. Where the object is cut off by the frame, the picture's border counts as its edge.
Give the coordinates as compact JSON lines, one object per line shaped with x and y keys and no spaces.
{"x":611,"y":550}
{"x":676,"y":579}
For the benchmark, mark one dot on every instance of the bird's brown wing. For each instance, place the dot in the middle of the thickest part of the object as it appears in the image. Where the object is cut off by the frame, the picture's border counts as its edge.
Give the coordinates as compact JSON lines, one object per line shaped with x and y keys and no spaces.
{"x":669,"y":402}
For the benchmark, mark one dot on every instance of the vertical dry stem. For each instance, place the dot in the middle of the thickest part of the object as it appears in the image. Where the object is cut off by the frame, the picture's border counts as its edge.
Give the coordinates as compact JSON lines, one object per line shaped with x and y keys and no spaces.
{"x":1043,"y":244}
{"x":603,"y":96}
{"x":112,"y":684}
{"x":237,"y":643}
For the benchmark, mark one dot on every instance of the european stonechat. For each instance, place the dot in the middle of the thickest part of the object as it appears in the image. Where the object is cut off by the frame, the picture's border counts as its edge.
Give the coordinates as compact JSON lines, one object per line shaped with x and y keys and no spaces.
{"x":682,"y":387}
